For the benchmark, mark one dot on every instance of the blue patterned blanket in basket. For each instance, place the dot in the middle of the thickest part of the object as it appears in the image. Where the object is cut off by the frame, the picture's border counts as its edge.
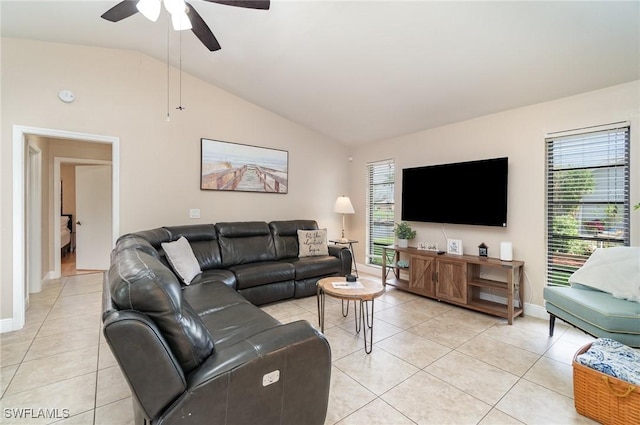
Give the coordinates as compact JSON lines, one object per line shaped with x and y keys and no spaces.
{"x":614,"y":359}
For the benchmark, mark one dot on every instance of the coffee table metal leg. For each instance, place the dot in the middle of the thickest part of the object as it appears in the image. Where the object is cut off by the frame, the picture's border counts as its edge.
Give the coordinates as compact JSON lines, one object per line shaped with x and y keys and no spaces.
{"x":356,"y":315}
{"x":367,"y":325}
{"x":345,"y":313}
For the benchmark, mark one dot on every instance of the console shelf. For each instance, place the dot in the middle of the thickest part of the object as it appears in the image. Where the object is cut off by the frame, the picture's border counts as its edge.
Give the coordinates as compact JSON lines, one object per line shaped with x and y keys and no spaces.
{"x":477,"y":283}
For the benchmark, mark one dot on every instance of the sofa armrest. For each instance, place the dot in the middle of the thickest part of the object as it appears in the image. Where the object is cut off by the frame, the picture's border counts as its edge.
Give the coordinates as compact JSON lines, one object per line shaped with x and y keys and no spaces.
{"x":344,"y":254}
{"x":281,"y":375}
{"x":154,"y":375}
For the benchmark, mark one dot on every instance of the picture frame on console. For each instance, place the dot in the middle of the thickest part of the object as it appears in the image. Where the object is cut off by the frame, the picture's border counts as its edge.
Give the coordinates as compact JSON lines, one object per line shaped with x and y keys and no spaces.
{"x":454,"y":246}
{"x":231,"y":166}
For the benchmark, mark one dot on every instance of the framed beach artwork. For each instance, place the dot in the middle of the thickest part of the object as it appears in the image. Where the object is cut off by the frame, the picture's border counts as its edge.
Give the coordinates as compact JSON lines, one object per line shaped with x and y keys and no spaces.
{"x":243,"y":168}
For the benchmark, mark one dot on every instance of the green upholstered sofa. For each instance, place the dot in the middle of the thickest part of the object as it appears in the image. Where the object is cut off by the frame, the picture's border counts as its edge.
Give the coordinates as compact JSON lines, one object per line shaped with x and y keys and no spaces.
{"x":595,"y":312}
{"x":604,"y":297}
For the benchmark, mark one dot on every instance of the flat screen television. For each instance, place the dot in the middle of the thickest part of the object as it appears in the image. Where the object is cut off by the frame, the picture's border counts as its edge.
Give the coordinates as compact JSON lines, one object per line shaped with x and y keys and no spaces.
{"x":473,"y":192}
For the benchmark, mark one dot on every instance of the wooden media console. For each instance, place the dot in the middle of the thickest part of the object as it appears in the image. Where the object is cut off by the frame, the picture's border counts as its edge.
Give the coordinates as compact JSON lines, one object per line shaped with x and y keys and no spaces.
{"x":477,"y":283}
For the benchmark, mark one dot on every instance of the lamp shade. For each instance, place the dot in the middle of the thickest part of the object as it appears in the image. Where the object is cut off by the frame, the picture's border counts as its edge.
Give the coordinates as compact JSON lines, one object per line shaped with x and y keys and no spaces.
{"x":343,"y":205}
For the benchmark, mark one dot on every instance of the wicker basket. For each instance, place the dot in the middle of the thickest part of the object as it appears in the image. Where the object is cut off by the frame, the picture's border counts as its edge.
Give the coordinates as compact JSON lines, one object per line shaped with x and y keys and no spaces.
{"x":604,"y":398}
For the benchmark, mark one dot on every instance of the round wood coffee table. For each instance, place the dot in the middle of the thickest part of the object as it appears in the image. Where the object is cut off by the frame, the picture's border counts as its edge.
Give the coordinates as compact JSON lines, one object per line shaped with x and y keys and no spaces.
{"x":362,"y":292}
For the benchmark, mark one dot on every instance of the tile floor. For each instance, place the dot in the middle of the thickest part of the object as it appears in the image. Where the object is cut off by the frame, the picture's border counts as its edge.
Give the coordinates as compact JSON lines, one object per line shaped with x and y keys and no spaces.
{"x":432,"y":363}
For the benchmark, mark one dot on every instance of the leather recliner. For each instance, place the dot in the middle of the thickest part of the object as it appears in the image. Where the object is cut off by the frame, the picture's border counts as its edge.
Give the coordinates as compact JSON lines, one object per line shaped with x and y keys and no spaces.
{"x":204,"y":353}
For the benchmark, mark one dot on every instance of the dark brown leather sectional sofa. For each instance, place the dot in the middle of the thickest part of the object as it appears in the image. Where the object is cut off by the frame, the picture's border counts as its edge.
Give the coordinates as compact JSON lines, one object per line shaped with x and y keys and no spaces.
{"x":204,"y":353}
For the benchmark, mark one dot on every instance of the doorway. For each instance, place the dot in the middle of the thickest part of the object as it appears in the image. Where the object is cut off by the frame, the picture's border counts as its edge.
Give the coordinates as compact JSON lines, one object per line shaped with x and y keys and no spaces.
{"x":66,"y":200}
{"x":19,"y":194}
{"x":68,"y":266}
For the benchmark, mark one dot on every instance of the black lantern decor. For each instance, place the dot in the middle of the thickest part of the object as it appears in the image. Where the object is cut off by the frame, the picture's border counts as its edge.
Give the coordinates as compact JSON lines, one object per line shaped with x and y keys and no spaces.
{"x":483,"y":250}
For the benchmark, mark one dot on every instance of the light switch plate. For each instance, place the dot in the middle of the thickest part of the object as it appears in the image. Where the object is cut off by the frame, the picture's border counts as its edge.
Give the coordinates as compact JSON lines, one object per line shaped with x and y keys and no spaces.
{"x":194,"y":213}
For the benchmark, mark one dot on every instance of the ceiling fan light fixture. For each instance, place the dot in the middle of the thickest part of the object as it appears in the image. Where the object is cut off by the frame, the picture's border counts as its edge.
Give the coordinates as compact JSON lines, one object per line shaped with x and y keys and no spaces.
{"x":150,"y":9}
{"x":180,"y":21}
{"x":174,"y":6}
{"x":183,"y":15}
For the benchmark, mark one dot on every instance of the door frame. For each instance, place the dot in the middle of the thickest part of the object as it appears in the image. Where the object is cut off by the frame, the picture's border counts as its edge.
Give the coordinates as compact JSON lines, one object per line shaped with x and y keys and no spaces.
{"x":57,"y":162}
{"x":19,"y":147}
{"x":34,"y":222}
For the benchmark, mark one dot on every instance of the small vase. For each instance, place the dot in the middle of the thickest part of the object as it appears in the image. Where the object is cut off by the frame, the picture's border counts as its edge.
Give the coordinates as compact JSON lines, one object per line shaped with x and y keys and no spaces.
{"x":403,"y":243}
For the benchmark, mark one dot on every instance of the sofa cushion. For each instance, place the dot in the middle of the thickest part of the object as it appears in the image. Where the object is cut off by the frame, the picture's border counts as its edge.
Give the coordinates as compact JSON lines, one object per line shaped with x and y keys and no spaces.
{"x":308,"y":267}
{"x":596,"y":308}
{"x":285,"y":236}
{"x":218,"y":304}
{"x":312,"y":243}
{"x":271,"y":293}
{"x":182,"y":260}
{"x":245,"y":242}
{"x":138,"y":281}
{"x":214,"y":296}
{"x":256,"y":274}
{"x":204,"y":243}
{"x":247,"y":321}
{"x":216,"y":275}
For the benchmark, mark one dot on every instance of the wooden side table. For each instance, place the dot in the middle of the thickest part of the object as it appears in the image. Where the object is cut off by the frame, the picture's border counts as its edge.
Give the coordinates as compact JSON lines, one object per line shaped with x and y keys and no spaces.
{"x":349,"y":242}
{"x":362,"y":295}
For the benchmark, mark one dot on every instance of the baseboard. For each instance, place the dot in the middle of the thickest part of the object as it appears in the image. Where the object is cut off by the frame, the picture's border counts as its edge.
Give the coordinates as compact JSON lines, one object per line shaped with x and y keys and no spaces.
{"x":534,"y":310}
{"x":6,"y":325}
{"x":364,"y":268}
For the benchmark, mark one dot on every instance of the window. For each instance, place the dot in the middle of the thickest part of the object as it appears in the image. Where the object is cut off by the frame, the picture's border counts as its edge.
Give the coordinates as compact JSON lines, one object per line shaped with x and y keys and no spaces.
{"x":380,"y":204}
{"x":587,"y":197}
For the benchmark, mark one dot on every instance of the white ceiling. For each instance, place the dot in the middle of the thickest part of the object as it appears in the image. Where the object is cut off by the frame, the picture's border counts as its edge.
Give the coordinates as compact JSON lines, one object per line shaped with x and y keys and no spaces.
{"x":361,"y":71}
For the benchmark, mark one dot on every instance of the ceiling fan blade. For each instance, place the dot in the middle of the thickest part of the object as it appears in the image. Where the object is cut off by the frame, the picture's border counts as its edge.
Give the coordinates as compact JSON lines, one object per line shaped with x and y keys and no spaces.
{"x":122,"y":10}
{"x":250,"y":4}
{"x":201,"y":30}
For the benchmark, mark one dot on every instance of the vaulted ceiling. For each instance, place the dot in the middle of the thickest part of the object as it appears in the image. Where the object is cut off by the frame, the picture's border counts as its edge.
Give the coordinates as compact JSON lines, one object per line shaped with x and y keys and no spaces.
{"x":360,"y":71}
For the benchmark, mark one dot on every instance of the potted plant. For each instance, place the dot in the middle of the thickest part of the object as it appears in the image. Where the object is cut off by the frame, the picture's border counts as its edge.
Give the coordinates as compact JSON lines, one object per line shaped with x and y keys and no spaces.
{"x":404,"y":232}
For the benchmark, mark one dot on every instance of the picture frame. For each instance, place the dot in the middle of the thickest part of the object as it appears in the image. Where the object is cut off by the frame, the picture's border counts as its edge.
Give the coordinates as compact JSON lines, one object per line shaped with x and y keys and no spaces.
{"x":454,"y":246}
{"x":228,"y":166}
{"x":431,"y":246}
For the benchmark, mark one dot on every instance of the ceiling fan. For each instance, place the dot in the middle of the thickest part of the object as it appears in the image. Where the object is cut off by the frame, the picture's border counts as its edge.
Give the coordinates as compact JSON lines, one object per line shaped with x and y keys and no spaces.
{"x":183,"y":15}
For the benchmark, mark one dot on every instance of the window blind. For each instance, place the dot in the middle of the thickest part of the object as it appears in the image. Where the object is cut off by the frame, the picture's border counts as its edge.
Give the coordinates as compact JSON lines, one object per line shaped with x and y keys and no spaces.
{"x":380,"y":208}
{"x":587,"y":189}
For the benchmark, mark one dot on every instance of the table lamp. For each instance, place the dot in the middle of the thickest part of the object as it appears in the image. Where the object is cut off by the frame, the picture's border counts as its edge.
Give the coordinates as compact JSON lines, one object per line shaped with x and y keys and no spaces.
{"x":343,"y":206}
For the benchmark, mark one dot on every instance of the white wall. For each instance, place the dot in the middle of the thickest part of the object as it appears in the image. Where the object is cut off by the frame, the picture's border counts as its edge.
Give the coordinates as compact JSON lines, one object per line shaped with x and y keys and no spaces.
{"x":520,"y":135}
{"x":123,"y":94}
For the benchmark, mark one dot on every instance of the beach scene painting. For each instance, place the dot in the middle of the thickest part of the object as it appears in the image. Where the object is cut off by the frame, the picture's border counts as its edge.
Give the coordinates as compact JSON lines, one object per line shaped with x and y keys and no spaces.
{"x":245,"y":168}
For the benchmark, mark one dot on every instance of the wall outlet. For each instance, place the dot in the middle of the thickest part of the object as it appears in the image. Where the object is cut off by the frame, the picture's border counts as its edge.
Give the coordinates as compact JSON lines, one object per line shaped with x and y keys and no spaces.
{"x":194,"y":213}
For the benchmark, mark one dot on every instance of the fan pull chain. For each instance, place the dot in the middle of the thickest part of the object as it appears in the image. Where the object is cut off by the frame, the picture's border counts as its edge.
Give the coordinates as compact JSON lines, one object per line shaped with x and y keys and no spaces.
{"x":168,"y":33}
{"x":180,"y":107}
